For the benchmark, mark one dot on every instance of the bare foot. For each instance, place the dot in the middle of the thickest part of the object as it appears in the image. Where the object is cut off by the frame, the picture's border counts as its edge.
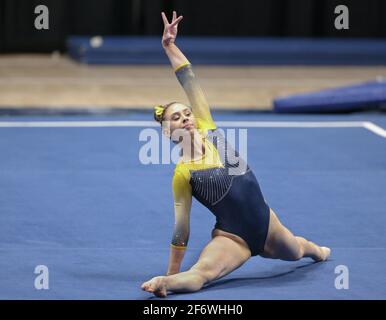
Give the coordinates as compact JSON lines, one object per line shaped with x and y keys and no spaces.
{"x":325,"y":254}
{"x":157,"y":286}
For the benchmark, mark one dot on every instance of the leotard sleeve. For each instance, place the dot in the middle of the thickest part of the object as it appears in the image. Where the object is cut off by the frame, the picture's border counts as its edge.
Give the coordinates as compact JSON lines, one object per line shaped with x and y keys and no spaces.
{"x":197,"y":99}
{"x":182,"y":194}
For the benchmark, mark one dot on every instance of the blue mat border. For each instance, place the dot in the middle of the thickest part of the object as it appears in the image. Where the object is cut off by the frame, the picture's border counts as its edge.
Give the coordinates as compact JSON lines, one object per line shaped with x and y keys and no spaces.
{"x":231,"y":51}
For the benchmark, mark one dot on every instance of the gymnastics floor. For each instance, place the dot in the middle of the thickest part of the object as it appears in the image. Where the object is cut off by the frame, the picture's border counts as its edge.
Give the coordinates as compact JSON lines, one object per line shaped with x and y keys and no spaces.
{"x":75,"y":198}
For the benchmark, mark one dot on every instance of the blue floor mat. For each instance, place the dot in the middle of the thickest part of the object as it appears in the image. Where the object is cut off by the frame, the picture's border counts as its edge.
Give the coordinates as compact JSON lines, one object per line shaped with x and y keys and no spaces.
{"x":369,"y":95}
{"x":78,"y":201}
{"x":229,"y":50}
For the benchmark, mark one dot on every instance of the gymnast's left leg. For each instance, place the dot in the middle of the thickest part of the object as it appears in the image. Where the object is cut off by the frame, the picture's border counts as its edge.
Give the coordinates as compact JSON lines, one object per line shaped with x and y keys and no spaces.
{"x":282,"y":244}
{"x":221,"y":256}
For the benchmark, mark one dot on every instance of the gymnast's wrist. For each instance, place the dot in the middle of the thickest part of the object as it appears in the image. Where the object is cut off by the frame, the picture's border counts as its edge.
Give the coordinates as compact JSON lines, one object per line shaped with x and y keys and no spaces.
{"x":178,"y":247}
{"x":168,"y":45}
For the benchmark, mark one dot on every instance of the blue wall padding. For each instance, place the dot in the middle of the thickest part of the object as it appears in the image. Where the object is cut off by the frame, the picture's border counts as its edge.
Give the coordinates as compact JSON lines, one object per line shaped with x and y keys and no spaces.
{"x":362,"y":96}
{"x":233,"y":51}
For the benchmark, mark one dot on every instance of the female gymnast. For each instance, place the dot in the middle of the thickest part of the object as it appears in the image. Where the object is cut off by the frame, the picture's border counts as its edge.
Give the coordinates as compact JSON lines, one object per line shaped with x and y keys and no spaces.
{"x":245,"y":225}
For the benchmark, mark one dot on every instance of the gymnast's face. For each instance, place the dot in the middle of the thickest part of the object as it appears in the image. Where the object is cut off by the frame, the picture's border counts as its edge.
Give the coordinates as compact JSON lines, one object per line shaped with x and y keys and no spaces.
{"x":180,"y":117}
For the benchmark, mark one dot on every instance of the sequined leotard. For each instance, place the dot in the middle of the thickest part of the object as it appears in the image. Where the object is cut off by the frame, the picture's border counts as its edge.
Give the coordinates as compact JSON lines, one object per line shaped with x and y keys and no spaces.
{"x":228,"y":188}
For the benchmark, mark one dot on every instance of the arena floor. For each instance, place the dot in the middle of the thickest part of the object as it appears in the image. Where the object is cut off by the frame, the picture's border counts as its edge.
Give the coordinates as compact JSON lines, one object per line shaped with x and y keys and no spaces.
{"x":76,"y":199}
{"x":54,"y":81}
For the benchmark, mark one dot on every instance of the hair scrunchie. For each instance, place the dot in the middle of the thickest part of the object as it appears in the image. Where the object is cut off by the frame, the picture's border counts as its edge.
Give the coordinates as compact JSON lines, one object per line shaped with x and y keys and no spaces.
{"x":158,"y":112}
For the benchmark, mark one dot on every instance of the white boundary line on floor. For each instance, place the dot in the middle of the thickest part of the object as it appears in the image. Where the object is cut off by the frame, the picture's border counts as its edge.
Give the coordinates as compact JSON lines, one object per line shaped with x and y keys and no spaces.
{"x":239,"y":124}
{"x":375,"y":129}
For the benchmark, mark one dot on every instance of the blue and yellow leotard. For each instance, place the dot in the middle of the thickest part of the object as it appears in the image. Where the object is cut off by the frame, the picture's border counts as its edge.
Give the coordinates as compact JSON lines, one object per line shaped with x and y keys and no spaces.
{"x":228,"y":188}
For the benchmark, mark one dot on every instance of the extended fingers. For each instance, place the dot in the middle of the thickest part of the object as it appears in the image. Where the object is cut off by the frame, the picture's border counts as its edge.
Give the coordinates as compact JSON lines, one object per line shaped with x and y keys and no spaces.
{"x":176,"y":21}
{"x":164,"y":18}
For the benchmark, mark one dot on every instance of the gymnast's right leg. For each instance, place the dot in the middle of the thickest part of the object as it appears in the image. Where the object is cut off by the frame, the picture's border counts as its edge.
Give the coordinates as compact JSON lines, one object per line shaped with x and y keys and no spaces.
{"x":220,"y":257}
{"x":282,"y":244}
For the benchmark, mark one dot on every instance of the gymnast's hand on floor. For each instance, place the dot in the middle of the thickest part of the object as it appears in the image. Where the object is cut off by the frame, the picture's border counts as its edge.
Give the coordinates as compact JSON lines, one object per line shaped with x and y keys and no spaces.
{"x":170,"y":29}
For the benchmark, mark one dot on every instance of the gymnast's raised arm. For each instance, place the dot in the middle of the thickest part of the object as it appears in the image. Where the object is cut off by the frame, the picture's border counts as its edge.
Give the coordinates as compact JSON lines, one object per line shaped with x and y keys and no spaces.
{"x":184,"y":72}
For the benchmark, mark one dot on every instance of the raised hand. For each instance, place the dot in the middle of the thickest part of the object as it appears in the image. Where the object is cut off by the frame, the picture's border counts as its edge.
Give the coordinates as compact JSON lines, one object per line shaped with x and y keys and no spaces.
{"x":170,"y":29}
